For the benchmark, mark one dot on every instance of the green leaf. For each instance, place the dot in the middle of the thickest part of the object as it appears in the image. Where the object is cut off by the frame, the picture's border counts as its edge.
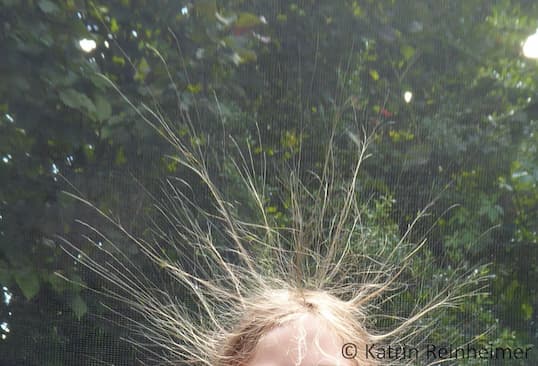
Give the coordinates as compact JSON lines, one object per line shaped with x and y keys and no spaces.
{"x":76,"y":100}
{"x":407,"y":51}
{"x":118,"y":60}
{"x":527,"y":310}
{"x":57,"y":283}
{"x":194,"y":88}
{"x":281,"y":17}
{"x":103,"y":108}
{"x":205,"y":9}
{"x":247,"y":20}
{"x":120,"y":156}
{"x":374,"y":74}
{"x":28,"y":282}
{"x":114,"y":27}
{"x":79,"y":307}
{"x":357,"y":11}
{"x":100,"y":82}
{"x":142,"y":70}
{"x":48,"y":6}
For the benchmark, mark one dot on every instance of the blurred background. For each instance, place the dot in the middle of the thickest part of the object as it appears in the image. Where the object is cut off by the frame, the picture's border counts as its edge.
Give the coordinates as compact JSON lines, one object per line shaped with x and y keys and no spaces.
{"x":450,"y":88}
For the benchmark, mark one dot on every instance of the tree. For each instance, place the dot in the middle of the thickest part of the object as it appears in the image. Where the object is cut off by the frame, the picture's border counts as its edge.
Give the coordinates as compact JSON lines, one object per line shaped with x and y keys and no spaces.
{"x":289,"y":68}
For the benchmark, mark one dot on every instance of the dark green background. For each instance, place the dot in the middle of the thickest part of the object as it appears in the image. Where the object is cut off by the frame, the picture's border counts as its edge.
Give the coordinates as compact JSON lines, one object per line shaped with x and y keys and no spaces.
{"x":470,"y":126}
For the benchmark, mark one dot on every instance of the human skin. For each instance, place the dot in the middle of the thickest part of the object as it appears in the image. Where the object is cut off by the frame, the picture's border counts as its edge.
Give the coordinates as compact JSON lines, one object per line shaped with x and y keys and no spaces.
{"x":305,"y":341}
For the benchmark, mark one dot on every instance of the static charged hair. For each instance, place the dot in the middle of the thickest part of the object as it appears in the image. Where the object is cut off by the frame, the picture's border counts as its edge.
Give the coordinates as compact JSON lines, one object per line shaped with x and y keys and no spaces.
{"x":245,"y":278}
{"x":277,"y":307}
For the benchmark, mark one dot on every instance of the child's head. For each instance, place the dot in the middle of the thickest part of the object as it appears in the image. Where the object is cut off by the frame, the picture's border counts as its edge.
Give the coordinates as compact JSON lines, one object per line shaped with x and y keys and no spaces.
{"x":288,"y":327}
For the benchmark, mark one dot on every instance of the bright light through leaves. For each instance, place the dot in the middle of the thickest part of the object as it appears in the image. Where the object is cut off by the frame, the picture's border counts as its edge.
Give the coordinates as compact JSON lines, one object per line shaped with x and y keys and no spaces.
{"x":87,"y":45}
{"x":530,"y":47}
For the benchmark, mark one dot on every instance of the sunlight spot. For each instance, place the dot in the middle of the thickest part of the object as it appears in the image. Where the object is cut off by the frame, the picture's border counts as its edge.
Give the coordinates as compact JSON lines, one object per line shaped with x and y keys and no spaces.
{"x":7,"y":296}
{"x":236,"y":59}
{"x":107,"y":45}
{"x":87,"y":45}
{"x":4,"y":326}
{"x":184,"y":10}
{"x":408,"y":96}
{"x":9,"y":118}
{"x":520,"y":174}
{"x":134,"y":33}
{"x":262,"y":39}
{"x":530,"y":47}
{"x":54,"y":169}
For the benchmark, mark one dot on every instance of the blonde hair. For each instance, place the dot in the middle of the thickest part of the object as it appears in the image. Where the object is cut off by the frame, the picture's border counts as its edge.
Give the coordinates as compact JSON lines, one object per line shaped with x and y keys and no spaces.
{"x":263,"y":274}
{"x":278,"y":307}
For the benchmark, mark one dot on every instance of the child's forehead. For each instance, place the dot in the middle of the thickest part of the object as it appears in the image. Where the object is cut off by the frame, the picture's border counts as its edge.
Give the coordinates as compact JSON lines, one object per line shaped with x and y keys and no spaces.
{"x":305,"y":341}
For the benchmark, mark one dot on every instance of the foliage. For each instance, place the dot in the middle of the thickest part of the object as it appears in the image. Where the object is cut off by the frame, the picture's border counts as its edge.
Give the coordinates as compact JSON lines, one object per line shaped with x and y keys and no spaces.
{"x":283,"y":73}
